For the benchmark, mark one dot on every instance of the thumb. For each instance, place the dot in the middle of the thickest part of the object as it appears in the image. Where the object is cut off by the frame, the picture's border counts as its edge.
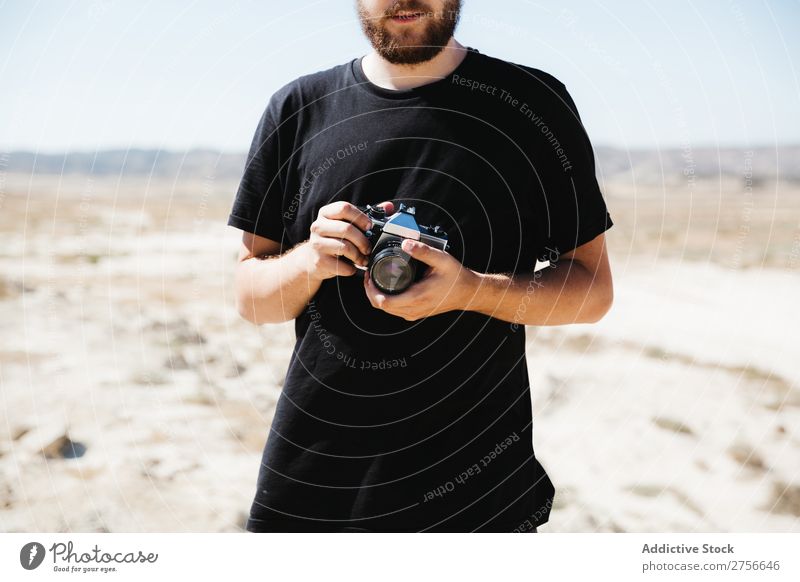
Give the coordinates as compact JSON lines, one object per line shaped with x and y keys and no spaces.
{"x":388,"y":207}
{"x":427,"y":254}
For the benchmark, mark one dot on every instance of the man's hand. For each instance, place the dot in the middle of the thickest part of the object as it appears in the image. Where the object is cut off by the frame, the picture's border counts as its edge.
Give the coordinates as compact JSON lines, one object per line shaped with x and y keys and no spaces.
{"x":577,"y":289}
{"x":446,"y":285}
{"x":272,"y":286}
{"x":335,"y":234}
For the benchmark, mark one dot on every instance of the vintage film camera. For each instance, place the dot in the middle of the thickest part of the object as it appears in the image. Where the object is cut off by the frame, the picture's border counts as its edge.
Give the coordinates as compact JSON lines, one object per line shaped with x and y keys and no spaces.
{"x":390,"y":268}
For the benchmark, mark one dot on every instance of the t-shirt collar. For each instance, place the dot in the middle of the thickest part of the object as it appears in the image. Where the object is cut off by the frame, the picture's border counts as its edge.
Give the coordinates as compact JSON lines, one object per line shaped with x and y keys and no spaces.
{"x":357,"y":73}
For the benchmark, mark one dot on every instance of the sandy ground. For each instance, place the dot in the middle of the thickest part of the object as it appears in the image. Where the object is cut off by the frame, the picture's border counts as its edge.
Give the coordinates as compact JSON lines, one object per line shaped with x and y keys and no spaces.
{"x":679,"y":411}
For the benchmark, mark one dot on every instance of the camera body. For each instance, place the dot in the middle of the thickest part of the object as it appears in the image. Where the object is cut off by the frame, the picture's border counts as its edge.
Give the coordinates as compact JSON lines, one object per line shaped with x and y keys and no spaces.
{"x":391,"y":269}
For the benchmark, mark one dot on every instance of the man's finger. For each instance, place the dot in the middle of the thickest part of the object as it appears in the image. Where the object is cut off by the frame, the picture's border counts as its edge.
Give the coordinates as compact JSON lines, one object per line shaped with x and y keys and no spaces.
{"x":391,"y":303}
{"x":342,"y":230}
{"x":388,"y":207}
{"x":376,"y":298}
{"x":343,"y":248}
{"x":385,"y":301}
{"x":342,"y":268}
{"x":425,"y":253}
{"x":342,"y":210}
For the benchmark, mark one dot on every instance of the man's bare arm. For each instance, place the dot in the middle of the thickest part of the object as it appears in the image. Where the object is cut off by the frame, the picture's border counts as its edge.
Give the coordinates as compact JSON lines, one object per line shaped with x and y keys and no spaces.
{"x":576,"y":288}
{"x":272,"y":286}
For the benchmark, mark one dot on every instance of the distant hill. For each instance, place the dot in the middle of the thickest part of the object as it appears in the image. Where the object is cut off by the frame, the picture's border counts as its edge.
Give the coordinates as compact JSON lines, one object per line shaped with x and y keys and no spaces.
{"x":133,"y":162}
{"x":765,"y":163}
{"x":647,"y":165}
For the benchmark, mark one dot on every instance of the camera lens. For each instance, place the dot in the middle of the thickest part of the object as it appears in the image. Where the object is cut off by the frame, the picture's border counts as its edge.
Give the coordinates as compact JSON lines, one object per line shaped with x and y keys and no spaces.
{"x":391,"y":271}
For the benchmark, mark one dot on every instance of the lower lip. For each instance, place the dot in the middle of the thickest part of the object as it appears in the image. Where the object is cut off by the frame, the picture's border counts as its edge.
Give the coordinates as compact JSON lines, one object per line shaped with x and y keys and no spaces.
{"x":406,"y":20}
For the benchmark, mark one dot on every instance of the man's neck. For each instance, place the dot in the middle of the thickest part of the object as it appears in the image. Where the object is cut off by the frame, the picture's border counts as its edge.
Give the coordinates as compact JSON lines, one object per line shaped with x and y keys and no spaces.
{"x":400,"y":77}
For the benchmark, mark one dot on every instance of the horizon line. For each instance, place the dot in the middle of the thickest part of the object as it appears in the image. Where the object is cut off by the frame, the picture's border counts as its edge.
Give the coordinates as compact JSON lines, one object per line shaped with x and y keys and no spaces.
{"x":4,"y":151}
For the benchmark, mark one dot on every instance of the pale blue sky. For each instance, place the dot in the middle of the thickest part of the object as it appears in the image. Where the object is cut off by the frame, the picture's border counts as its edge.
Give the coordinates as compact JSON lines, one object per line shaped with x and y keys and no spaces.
{"x":167,"y":74}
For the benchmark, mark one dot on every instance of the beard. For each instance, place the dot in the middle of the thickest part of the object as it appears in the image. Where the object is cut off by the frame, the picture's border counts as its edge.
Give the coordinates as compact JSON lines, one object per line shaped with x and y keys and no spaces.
{"x":421,"y":42}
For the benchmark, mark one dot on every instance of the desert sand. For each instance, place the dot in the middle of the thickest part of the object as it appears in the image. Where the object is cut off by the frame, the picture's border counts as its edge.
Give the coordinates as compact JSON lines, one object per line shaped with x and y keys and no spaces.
{"x":134,"y":398}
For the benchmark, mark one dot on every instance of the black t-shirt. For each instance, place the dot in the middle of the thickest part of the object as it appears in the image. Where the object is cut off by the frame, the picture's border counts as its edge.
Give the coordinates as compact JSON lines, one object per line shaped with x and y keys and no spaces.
{"x":385,"y":424}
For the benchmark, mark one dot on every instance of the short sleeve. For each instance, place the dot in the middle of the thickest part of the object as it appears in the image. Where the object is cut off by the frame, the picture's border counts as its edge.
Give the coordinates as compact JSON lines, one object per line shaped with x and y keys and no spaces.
{"x":574,"y":212}
{"x":258,"y":205}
